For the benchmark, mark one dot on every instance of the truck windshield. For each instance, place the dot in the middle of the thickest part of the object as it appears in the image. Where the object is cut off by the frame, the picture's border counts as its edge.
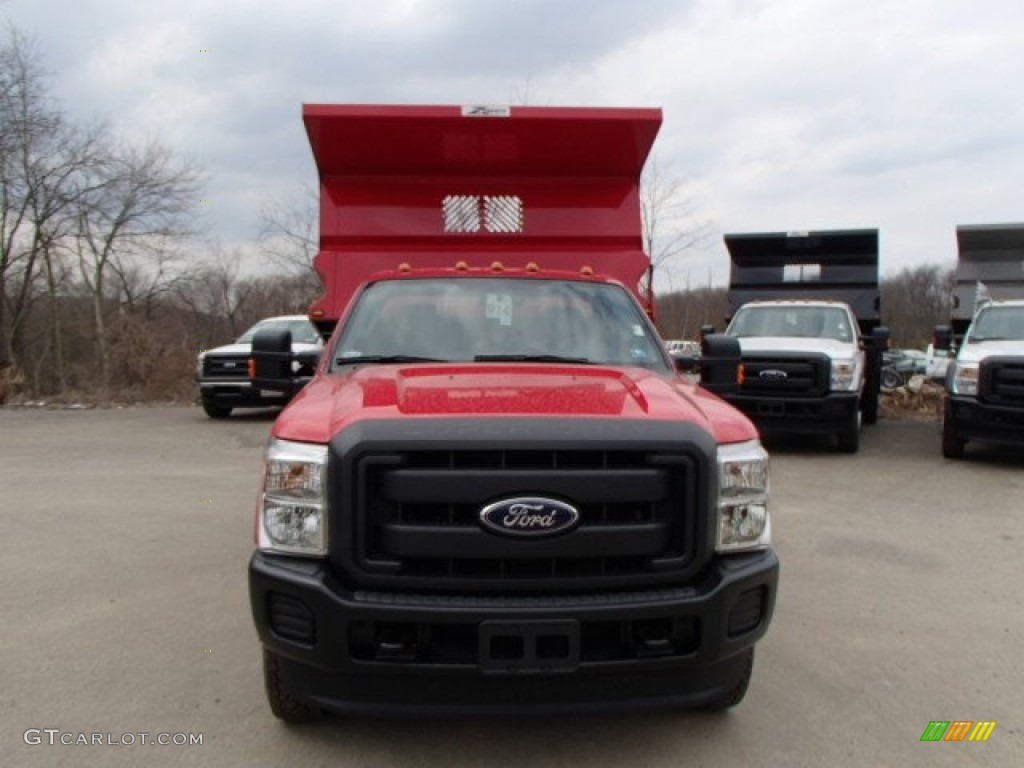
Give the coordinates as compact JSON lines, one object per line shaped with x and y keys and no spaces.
{"x":498,"y":319}
{"x":997,"y":324}
{"x":792,"y":321}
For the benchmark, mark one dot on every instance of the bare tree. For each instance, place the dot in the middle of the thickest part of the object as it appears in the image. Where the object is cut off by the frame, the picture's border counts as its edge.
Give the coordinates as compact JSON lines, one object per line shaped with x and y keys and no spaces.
{"x":681,"y":313}
{"x":289,"y":231}
{"x":670,"y":227}
{"x":90,"y":235}
{"x":26,"y":123}
{"x":216,"y":295}
{"x":143,"y":197}
{"x":914,"y":301}
{"x":524,"y":93}
{"x":278,"y":295}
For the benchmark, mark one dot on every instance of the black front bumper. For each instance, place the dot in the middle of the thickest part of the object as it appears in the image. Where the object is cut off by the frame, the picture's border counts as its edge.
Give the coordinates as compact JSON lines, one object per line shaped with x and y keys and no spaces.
{"x":973,"y":419}
{"x":825,"y":415}
{"x":382,"y":652}
{"x":238,"y":394}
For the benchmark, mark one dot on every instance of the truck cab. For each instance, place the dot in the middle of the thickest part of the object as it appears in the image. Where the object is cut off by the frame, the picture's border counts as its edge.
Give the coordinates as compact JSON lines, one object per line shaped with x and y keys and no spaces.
{"x":497,"y":494}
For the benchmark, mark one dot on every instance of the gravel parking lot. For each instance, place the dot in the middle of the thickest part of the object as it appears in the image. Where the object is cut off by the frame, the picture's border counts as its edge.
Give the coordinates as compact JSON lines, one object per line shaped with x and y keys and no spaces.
{"x":123,"y":565}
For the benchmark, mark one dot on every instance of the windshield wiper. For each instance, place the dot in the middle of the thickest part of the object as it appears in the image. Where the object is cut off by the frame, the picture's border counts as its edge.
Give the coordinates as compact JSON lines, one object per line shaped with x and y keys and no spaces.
{"x":531,"y":359}
{"x":359,"y":359}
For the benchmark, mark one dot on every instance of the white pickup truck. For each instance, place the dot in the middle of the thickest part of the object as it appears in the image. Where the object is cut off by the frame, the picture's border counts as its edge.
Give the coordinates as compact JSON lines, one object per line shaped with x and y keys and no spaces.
{"x":985,"y":381}
{"x":222,"y":373}
{"x":985,"y":378}
{"x":805,"y":308}
{"x":804,"y":368}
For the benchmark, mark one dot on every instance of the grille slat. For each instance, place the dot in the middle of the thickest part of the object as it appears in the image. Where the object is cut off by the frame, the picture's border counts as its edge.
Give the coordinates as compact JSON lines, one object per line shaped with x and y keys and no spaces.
{"x":455,"y":486}
{"x":593,"y":541}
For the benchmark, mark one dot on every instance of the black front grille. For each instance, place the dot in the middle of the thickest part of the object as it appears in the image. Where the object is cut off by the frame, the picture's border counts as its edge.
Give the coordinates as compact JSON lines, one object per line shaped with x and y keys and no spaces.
{"x":418,"y":518}
{"x":786,"y":375}
{"x":1001,"y":381}
{"x":226,"y":366}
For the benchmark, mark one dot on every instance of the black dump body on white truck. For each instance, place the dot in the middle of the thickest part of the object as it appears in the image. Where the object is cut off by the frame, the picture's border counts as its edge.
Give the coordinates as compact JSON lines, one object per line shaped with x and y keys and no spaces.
{"x":805,"y":308}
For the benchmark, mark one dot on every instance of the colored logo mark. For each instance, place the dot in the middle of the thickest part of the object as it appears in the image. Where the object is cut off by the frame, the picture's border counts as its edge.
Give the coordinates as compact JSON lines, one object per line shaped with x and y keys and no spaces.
{"x":958,"y":730}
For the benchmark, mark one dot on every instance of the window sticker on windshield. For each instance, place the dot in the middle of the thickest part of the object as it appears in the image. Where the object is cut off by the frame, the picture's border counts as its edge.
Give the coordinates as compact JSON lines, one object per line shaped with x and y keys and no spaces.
{"x":499,"y":307}
{"x":638,"y":330}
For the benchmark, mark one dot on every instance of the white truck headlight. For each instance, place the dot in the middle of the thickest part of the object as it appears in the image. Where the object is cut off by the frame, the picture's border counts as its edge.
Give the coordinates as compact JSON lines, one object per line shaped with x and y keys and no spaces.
{"x":843,"y":375}
{"x":743,"y":521}
{"x":965,"y":379}
{"x":292,"y":514}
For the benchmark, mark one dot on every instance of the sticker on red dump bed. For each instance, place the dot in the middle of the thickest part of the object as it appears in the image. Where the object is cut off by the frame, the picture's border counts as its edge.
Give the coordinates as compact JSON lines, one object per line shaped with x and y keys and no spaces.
{"x":499,"y":307}
{"x":485,"y":110}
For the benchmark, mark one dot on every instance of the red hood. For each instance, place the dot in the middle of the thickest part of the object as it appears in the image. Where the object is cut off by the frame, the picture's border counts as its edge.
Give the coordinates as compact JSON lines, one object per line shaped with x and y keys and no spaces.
{"x":334,"y":401}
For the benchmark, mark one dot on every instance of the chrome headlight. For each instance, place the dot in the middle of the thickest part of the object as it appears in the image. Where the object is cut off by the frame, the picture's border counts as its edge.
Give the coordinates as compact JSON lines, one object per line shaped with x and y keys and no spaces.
{"x":965,"y":379}
{"x":743,"y":521}
{"x":843,"y":377}
{"x":292,"y":514}
{"x":199,"y":364}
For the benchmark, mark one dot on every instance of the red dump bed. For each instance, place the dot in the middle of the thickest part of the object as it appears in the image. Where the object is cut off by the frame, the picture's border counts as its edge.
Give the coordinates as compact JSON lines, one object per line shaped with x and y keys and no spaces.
{"x":433,"y":186}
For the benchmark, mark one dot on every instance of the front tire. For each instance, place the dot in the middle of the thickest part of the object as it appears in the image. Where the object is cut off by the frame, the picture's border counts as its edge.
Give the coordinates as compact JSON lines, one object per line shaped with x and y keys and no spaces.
{"x":737,"y":690}
{"x":952,"y":444}
{"x":870,"y":410}
{"x":215,"y":411}
{"x":283,"y":704}
{"x":849,"y":438}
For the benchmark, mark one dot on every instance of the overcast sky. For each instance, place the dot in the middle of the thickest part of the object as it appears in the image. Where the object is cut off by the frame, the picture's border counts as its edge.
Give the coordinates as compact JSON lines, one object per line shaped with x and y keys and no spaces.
{"x":901,"y":115}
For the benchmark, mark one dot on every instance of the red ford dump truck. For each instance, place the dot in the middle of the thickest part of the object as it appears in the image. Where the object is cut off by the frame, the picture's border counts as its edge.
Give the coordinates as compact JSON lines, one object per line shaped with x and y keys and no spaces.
{"x":496,"y":494}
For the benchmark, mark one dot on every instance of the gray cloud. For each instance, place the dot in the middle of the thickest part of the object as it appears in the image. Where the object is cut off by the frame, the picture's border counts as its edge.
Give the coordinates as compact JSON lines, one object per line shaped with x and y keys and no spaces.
{"x":782,"y":115}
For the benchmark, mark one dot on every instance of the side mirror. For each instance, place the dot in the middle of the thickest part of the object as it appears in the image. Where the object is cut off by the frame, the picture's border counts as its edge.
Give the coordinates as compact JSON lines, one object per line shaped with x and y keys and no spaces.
{"x":273,"y":366}
{"x":721,"y":362}
{"x":943,"y":338}
{"x":706,"y":330}
{"x":687,"y":363}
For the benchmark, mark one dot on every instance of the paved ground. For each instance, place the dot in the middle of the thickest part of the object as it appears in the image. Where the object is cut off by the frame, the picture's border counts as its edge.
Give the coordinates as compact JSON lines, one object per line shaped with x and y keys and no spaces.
{"x":122,"y":564}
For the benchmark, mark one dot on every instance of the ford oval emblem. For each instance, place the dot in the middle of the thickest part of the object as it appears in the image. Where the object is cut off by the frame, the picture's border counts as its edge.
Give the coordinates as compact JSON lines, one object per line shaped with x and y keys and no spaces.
{"x":530,"y":516}
{"x":773,"y":373}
